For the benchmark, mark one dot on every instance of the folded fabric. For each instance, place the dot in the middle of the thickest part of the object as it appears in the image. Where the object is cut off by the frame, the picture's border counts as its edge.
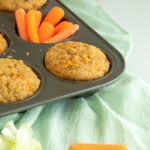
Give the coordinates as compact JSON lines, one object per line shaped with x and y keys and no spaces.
{"x":116,"y":114}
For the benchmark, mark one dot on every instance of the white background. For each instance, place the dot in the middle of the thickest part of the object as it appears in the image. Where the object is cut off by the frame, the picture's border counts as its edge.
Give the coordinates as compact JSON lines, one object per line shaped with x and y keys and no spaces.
{"x":134,"y":15}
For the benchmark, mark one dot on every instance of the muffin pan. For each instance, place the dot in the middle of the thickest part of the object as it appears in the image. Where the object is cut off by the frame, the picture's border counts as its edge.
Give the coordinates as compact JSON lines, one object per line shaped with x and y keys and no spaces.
{"x":53,"y":88}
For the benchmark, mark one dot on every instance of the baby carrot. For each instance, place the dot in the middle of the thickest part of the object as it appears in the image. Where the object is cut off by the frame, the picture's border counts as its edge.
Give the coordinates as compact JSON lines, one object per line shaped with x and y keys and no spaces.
{"x":46,"y":30}
{"x":32,"y":26}
{"x":63,"y":34}
{"x":20,"y":15}
{"x":96,"y":147}
{"x":62,"y":26}
{"x":54,"y":15}
{"x":38,"y":18}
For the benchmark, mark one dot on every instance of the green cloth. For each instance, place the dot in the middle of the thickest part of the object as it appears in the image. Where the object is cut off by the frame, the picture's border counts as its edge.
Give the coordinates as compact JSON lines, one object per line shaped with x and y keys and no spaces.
{"x":118,"y":113}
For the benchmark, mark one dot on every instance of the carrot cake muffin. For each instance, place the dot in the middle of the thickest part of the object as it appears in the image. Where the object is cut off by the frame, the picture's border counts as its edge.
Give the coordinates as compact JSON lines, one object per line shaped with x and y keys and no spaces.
{"x":12,"y":5}
{"x":76,"y":61}
{"x":3,"y":43}
{"x":17,"y":80}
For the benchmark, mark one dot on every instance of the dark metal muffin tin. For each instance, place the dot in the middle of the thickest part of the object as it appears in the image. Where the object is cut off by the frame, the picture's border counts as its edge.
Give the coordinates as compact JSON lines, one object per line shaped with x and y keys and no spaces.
{"x":53,"y":88}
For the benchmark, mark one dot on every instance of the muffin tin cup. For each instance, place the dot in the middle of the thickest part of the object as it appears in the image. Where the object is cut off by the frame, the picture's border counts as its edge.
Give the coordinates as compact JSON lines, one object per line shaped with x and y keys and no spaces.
{"x":54,"y":88}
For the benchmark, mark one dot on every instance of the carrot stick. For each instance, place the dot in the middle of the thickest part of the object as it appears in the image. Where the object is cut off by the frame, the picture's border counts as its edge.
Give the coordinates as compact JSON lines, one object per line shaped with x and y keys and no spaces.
{"x":38,"y":18}
{"x":54,"y":15}
{"x":32,"y":26}
{"x":62,"y":26}
{"x":20,"y":15}
{"x":96,"y":147}
{"x":63,"y":34}
{"x":46,"y":30}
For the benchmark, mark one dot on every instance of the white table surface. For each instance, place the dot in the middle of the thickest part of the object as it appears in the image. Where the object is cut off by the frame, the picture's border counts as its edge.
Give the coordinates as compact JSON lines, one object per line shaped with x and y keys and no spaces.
{"x":134,"y":15}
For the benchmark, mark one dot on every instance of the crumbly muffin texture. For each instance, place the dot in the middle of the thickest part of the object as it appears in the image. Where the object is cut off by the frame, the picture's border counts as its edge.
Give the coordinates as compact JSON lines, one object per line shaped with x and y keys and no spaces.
{"x":12,"y":5}
{"x":3,"y":44}
{"x":76,"y":61}
{"x":17,"y":81}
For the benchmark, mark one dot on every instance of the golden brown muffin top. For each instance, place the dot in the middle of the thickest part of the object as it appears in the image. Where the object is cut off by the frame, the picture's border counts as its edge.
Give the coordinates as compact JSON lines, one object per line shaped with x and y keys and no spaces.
{"x":17,"y":81}
{"x":76,"y":61}
{"x":12,"y":5}
{"x":3,"y":43}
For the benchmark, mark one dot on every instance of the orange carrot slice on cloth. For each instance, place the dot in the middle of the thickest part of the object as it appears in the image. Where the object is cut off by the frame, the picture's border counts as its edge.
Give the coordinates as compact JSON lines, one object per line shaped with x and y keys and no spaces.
{"x":38,"y":18}
{"x":62,"y":26}
{"x":97,"y":147}
{"x":63,"y":34}
{"x":32,"y":26}
{"x":20,"y":16}
{"x":54,"y":16}
{"x":46,"y":30}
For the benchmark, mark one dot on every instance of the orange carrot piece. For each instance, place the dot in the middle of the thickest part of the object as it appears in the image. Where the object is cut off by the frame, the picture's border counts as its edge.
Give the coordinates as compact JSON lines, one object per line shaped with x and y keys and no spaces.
{"x":62,"y":26}
{"x":54,"y":16}
{"x":96,"y":147}
{"x":63,"y":34}
{"x":32,"y":26}
{"x":20,"y":15}
{"x":46,"y":30}
{"x":38,"y":18}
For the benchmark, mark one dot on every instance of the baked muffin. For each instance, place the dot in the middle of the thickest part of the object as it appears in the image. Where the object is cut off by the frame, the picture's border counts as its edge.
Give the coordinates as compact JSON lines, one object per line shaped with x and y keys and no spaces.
{"x":3,"y":44}
{"x":12,"y":5}
{"x":17,"y":81}
{"x":76,"y":61}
